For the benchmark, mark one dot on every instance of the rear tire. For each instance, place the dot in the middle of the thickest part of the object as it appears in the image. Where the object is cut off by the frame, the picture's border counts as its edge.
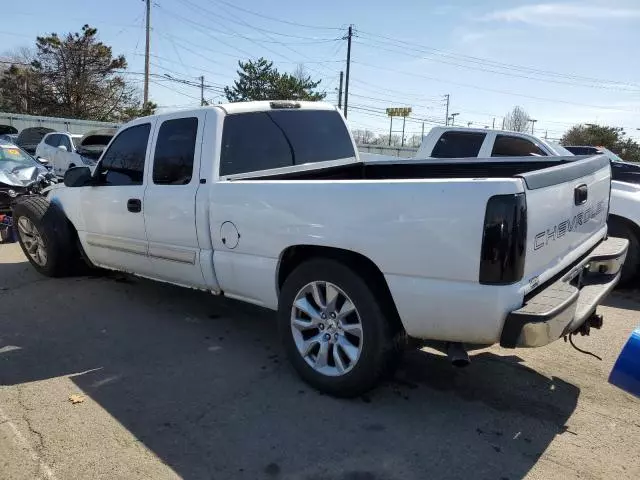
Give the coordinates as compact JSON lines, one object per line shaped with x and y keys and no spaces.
{"x":340,"y":377}
{"x":631,"y":267}
{"x":45,"y":236}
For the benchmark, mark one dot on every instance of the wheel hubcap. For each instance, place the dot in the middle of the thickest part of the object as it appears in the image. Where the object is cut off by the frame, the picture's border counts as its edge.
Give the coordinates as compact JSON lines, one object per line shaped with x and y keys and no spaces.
{"x":326,"y":328}
{"x":32,"y":241}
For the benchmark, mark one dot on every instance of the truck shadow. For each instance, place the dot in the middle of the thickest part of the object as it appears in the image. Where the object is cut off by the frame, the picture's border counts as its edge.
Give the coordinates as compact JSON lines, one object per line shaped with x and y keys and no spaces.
{"x":202,"y":383}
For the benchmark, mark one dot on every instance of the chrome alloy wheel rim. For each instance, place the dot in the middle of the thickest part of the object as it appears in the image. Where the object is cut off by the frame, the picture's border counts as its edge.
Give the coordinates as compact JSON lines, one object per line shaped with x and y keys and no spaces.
{"x":327,"y":328}
{"x":32,"y":241}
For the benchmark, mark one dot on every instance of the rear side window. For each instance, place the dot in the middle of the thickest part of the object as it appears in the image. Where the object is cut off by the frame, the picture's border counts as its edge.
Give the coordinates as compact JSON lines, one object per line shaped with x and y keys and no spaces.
{"x":281,"y":138}
{"x":508,"y":146}
{"x":123,"y":162}
{"x":52,"y":140}
{"x":583,"y":150}
{"x":175,"y":148}
{"x":458,"y":145}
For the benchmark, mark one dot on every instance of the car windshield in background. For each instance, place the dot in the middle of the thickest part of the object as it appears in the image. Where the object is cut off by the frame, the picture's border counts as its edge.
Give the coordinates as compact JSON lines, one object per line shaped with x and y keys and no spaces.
{"x":282,"y":138}
{"x":76,"y":141}
{"x":16,"y":156}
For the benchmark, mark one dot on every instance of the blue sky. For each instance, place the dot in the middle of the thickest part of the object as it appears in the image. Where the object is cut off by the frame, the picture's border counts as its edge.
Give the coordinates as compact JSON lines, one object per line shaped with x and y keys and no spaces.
{"x":564,"y":62}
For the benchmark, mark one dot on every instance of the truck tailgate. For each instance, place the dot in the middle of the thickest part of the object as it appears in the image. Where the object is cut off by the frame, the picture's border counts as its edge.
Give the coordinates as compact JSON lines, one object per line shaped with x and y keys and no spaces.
{"x":567,"y":208}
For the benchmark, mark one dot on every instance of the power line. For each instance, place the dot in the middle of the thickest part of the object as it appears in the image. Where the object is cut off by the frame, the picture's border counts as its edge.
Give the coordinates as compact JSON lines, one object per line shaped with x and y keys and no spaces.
{"x":503,"y":92}
{"x":416,"y":46}
{"x":403,"y":51}
{"x":262,"y":15}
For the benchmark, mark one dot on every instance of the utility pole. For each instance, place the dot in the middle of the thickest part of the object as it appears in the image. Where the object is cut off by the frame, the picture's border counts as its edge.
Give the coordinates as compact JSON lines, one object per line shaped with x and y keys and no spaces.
{"x":404,"y":120}
{"x":422,"y":130}
{"x":202,"y":102}
{"x":453,"y":118}
{"x":502,"y":123}
{"x":545,"y":134}
{"x":469,"y":124}
{"x":340,"y":92}
{"x":146,"y":56}
{"x":346,"y":86}
{"x":390,"y":128}
{"x":446,"y":115}
{"x":493,"y":125}
{"x":533,"y":122}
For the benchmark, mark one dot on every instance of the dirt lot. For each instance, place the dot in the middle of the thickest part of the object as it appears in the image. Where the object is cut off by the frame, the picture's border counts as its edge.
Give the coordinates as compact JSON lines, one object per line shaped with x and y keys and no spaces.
{"x":178,"y":383}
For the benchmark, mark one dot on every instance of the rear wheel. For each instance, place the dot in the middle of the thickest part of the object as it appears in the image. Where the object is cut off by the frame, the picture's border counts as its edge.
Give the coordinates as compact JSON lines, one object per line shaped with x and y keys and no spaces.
{"x":45,"y":236}
{"x":631,"y":267}
{"x":333,"y":328}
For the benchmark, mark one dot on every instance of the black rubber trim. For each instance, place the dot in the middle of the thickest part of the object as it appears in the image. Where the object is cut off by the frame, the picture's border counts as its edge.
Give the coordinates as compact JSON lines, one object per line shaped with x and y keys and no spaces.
{"x":564,"y":173}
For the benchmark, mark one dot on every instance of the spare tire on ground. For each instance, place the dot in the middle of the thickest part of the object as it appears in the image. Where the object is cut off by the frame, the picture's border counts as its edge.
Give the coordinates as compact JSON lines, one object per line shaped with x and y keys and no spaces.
{"x":46,"y":236}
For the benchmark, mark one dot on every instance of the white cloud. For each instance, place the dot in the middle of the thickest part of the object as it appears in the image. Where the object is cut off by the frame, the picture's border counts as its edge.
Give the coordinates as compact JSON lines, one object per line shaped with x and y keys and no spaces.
{"x":561,"y":14}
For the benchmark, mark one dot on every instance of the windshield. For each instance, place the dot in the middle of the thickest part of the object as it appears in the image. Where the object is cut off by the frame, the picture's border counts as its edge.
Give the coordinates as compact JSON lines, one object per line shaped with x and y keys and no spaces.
{"x":612,"y":156}
{"x":15,"y":157}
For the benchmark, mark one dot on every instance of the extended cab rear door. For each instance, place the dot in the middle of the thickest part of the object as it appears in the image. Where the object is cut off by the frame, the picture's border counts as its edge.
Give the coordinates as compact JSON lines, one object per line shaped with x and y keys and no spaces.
{"x":173,"y":180}
{"x":567,"y":208}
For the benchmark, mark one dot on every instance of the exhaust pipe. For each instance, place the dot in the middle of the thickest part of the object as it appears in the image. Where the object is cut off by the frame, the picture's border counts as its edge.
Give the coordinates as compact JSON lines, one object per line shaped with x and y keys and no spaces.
{"x":457,"y":354}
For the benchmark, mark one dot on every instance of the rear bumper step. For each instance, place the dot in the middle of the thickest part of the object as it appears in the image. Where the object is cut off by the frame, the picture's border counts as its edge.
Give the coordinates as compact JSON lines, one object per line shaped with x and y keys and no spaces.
{"x":563,"y":306}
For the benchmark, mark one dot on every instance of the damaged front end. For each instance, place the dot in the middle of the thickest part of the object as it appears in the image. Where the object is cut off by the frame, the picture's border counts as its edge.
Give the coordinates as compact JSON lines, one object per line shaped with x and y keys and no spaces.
{"x":19,"y":180}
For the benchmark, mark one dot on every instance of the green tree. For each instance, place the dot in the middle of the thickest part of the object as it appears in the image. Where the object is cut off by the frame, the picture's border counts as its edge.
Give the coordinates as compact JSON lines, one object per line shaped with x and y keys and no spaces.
{"x":259,"y":80}
{"x":73,"y":75}
{"x":612,"y":138}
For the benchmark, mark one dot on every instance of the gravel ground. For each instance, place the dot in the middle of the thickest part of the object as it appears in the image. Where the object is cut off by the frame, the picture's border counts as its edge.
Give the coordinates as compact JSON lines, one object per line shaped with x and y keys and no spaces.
{"x":177,"y":383}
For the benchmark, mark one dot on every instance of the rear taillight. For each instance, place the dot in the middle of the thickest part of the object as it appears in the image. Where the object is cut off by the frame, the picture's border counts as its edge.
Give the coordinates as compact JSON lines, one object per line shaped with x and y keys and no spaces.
{"x":504,"y":242}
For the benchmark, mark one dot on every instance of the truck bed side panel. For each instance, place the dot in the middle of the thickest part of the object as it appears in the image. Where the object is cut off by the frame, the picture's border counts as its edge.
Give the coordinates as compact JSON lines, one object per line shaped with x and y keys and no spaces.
{"x":413,"y":230}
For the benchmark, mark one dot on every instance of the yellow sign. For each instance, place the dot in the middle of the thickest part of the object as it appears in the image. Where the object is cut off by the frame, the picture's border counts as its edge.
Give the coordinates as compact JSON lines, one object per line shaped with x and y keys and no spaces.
{"x":399,"y":112}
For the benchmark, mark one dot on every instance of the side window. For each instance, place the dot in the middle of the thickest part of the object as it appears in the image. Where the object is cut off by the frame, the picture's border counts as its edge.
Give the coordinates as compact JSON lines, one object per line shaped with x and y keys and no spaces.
{"x":281,"y":138}
{"x":64,"y":140}
{"x":123,"y":162}
{"x":175,"y":148}
{"x":508,"y":146}
{"x":458,"y":145}
{"x":52,"y":140}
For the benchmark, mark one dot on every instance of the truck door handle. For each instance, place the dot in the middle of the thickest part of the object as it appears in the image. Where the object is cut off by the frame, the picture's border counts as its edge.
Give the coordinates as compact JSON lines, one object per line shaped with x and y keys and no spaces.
{"x":580,"y":194}
{"x":134,"y":205}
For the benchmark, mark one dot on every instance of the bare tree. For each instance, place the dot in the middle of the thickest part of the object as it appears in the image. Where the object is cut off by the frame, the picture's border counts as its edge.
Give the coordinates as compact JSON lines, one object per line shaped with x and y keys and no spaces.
{"x":300,"y":73}
{"x":363,"y":136}
{"x":517,"y":120}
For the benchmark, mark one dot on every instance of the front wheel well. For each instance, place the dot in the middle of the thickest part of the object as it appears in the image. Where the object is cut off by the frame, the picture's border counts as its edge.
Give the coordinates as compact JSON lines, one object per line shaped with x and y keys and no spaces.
{"x":295,"y":255}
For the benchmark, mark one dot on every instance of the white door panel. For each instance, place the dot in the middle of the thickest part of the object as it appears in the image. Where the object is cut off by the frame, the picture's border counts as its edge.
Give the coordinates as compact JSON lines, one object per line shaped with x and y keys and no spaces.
{"x":169,"y":201}
{"x":113,"y":211}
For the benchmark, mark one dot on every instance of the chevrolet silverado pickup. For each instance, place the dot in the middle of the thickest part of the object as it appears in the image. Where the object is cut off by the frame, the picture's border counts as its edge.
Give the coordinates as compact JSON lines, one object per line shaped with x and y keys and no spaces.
{"x":269,"y":203}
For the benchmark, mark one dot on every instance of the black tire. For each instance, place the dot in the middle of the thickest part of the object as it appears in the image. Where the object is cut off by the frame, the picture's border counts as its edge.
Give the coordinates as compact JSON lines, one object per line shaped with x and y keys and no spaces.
{"x":55,"y":231}
{"x":631,"y":267}
{"x":377,"y":358}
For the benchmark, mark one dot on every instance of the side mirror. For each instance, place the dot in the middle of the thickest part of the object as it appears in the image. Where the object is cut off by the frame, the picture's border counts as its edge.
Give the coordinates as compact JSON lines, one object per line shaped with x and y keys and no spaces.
{"x":63,"y":148}
{"x":77,"y":177}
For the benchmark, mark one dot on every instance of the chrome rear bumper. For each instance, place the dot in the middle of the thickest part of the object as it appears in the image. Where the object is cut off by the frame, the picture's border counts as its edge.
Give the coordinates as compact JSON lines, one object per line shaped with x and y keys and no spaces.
{"x":564,"y":305}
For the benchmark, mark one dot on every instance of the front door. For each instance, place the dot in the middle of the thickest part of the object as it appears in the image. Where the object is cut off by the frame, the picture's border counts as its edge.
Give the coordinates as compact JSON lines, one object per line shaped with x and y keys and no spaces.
{"x":170,"y":203}
{"x":113,"y":210}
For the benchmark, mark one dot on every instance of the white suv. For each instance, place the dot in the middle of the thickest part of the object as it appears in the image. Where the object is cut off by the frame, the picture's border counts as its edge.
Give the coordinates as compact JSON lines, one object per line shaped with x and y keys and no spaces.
{"x":59,"y":149}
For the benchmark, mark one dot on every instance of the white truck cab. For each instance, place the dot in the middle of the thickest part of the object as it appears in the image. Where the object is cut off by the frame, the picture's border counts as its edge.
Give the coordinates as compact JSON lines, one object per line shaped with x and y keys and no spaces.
{"x":461,"y":142}
{"x":270,"y":203}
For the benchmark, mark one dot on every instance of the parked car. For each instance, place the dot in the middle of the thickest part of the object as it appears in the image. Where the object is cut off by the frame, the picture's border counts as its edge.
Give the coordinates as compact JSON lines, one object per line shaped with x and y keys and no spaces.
{"x":29,"y":138}
{"x":9,"y":138}
{"x":56,"y":148}
{"x":20,"y":175}
{"x":66,"y":150}
{"x":624,"y":210}
{"x":269,"y":203}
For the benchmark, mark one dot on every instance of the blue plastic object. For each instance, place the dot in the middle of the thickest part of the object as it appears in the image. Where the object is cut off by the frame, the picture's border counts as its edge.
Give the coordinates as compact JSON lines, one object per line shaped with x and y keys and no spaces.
{"x":626,"y":371}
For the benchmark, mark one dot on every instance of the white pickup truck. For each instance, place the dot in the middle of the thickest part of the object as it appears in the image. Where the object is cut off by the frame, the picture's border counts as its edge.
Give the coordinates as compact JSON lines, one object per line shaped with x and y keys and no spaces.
{"x":269,"y":203}
{"x":624,"y":212}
